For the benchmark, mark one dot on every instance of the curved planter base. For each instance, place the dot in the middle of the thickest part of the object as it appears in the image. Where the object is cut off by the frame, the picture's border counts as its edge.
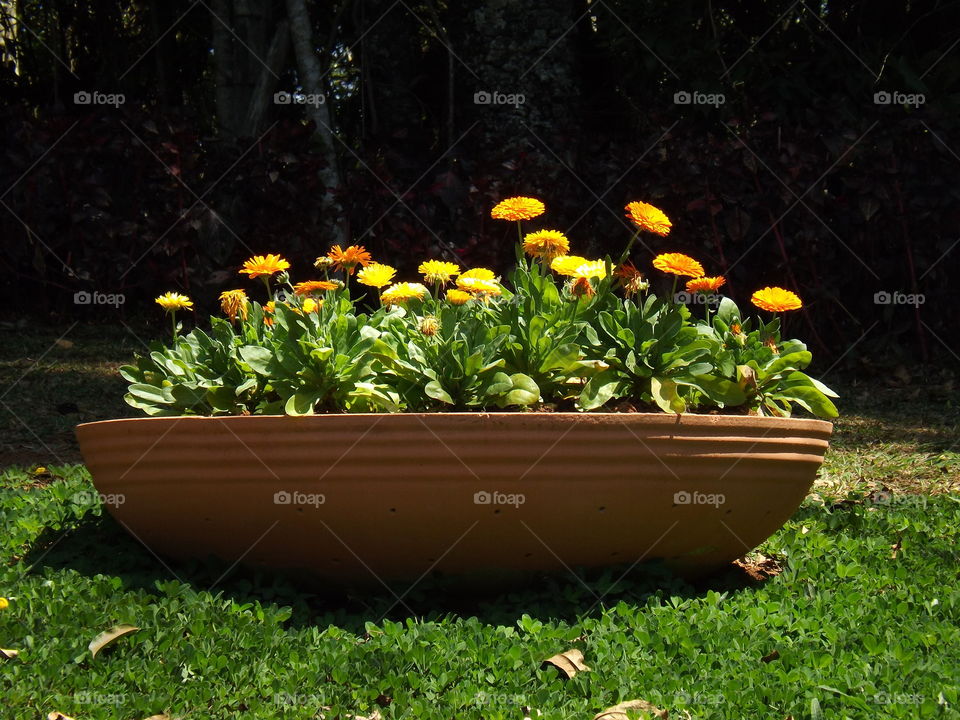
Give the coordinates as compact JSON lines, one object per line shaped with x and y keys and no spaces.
{"x":355,"y":498}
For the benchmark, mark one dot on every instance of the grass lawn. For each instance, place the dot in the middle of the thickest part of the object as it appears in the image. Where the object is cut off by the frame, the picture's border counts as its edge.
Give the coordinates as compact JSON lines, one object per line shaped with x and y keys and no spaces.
{"x":856,"y":614}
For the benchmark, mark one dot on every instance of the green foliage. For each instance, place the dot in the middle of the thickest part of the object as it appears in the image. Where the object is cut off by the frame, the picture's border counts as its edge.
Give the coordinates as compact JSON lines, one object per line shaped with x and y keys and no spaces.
{"x":860,"y":632}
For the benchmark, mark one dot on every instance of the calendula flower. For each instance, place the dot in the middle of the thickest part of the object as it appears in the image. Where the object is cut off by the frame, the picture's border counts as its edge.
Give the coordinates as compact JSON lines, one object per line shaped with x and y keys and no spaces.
{"x":776,"y":299}
{"x":567,"y":264}
{"x":438,"y":272}
{"x":233,"y":303}
{"x":706,"y":284}
{"x":478,"y":274}
{"x":678,"y":264}
{"x":172,"y":302}
{"x":631,"y":279}
{"x":429,"y":326}
{"x":264,"y":266}
{"x":458,"y":297}
{"x":4,"y":603}
{"x":310,"y":305}
{"x":347,"y":260}
{"x":376,"y":275}
{"x":479,"y":286}
{"x":518,"y":208}
{"x":546,"y":244}
{"x":269,"y":309}
{"x":591,"y":269}
{"x":648,"y":217}
{"x":323,"y":263}
{"x":315,"y":286}
{"x":581,"y":287}
{"x":402,"y":292}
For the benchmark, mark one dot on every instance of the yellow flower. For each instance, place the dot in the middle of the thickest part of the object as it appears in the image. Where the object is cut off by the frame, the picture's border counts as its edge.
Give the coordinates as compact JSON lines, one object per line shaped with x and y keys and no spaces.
{"x":678,"y":264}
{"x":648,"y":217}
{"x":348,"y":259}
{"x":478,"y":274}
{"x":438,"y":271}
{"x":376,"y":275}
{"x":479,"y":286}
{"x":591,"y":269}
{"x":4,"y":603}
{"x":313,"y":286}
{"x":706,"y":284}
{"x":174,"y":301}
{"x":775,"y":299}
{"x":310,"y":305}
{"x":264,"y":265}
{"x":517,"y":208}
{"x":458,"y":297}
{"x":402,"y":292}
{"x":233,"y":303}
{"x":546,"y":244}
{"x":567,"y":264}
{"x":429,"y":326}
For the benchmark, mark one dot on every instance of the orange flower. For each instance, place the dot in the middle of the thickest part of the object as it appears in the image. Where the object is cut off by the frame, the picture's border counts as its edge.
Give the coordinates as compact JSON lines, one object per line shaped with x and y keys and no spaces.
{"x":581,"y":287}
{"x":233,"y":303}
{"x":648,"y":217}
{"x":347,"y":260}
{"x":706,"y":284}
{"x":314,"y":286}
{"x":678,"y":264}
{"x":630,"y":279}
{"x":264,"y":266}
{"x":268,"y":310}
{"x":775,"y":299}
{"x":546,"y":244}
{"x":518,"y":208}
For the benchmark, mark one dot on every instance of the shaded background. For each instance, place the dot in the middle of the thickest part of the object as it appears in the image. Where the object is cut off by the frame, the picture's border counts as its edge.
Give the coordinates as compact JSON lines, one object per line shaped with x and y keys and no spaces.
{"x":830,"y":167}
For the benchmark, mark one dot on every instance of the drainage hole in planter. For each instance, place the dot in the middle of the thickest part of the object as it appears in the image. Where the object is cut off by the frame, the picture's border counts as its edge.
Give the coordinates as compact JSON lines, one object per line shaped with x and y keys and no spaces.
{"x":393,"y":510}
{"x":300,"y":509}
{"x":208,"y":520}
{"x":602,"y":508}
{"x":496,"y":512}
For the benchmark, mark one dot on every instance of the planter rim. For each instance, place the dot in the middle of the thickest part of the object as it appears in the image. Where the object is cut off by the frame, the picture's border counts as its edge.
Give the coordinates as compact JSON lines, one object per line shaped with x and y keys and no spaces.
{"x":603,"y":418}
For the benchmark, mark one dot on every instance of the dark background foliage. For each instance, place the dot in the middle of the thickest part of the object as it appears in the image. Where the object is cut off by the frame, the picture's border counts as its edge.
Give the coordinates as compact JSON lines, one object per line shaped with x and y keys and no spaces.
{"x":799,"y":178}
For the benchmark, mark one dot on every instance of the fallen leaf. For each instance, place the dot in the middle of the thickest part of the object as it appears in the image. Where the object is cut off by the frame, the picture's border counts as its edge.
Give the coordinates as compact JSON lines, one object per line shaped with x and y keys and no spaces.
{"x":619,"y":711}
{"x":65,"y":344}
{"x":770,"y":657}
{"x":8,"y":654}
{"x":569,"y":662}
{"x":159,"y":717}
{"x":375,"y":715}
{"x":108,"y":637}
{"x":58,"y":716}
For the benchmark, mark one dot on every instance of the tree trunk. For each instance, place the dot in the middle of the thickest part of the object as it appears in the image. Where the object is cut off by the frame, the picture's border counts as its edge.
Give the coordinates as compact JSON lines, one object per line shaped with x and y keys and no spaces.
{"x":311,"y":81}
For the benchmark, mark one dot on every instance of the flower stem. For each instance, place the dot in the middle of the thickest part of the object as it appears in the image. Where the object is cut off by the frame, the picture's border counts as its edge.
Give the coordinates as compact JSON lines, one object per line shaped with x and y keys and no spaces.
{"x":626,"y":250}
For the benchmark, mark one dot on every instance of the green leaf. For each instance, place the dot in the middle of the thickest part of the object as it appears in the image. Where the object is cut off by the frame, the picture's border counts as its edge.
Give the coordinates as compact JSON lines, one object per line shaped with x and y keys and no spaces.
{"x":525,"y":391}
{"x":300,"y":404}
{"x":152,"y":393}
{"x":665,"y":395}
{"x":721,"y":390}
{"x":811,"y":399}
{"x":599,"y":389}
{"x":258,"y":358}
{"x":796,"y":360}
{"x":434,"y":390}
{"x":728,"y":312}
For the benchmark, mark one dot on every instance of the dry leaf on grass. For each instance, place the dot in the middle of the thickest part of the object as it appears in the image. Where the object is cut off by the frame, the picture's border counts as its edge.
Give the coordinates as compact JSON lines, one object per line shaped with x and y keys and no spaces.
{"x":8,"y":654}
{"x":771,"y":656}
{"x":58,"y":716}
{"x":569,"y":662}
{"x":108,"y":637}
{"x":619,"y":711}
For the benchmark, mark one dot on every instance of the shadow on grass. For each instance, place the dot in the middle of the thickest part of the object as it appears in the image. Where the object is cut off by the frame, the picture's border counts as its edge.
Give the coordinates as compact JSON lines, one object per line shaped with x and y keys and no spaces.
{"x":98,"y":545}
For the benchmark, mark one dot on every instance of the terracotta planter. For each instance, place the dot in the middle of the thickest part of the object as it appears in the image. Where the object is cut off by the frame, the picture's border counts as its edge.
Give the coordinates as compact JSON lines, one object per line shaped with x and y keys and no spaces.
{"x":358,"y":497}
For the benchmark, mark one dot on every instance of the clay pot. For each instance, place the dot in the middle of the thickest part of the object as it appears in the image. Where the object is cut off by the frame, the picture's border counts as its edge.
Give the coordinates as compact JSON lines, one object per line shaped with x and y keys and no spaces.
{"x":366,"y":497}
